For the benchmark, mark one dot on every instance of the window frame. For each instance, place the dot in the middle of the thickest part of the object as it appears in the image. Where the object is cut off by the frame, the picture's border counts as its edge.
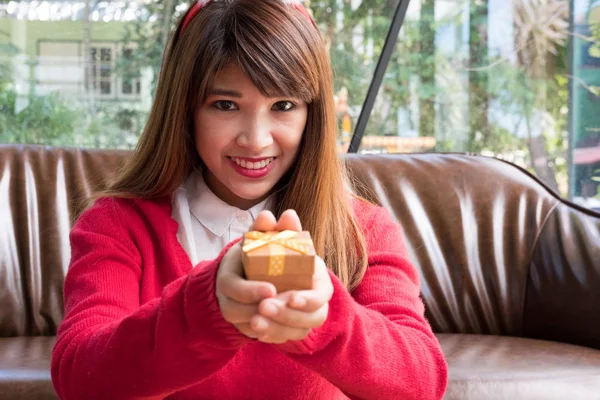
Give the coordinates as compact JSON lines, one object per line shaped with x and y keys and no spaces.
{"x":382,"y":63}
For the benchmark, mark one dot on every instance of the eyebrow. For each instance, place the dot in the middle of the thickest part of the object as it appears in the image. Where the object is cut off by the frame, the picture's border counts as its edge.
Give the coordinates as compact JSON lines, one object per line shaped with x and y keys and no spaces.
{"x":224,"y":92}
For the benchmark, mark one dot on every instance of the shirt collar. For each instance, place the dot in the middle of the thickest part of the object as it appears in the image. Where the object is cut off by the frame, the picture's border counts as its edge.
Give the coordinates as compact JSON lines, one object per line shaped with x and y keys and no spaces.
{"x":212,"y":212}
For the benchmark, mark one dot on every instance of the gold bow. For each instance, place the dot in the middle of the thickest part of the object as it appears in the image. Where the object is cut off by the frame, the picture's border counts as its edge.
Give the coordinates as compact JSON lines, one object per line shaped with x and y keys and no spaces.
{"x":277,"y":242}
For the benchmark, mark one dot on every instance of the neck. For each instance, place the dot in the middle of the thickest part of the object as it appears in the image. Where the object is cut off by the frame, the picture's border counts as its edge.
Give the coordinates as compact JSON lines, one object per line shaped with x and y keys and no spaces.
{"x":228,"y":196}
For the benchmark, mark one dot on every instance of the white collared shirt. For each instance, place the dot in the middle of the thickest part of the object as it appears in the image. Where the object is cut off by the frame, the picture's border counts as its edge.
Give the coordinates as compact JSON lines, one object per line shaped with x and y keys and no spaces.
{"x":206,"y":223}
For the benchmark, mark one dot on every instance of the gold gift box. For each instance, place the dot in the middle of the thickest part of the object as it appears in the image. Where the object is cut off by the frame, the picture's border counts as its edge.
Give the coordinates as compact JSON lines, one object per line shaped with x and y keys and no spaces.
{"x":286,"y":259}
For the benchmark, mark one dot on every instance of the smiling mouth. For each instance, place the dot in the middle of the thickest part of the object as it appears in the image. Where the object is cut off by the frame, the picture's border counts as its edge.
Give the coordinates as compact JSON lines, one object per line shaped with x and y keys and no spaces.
{"x":248,"y":164}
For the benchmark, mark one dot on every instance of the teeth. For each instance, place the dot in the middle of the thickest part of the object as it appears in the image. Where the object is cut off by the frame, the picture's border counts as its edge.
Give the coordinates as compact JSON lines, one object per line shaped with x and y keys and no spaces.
{"x":251,"y":165}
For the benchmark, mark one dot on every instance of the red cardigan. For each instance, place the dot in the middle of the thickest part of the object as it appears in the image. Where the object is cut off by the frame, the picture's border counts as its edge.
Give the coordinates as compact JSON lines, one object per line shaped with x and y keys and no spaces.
{"x":142,"y":323}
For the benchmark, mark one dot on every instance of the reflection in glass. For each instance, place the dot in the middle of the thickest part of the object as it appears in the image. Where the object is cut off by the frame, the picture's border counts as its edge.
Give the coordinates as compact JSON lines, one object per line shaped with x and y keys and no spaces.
{"x":485,"y":76}
{"x":103,"y":60}
{"x":585,"y":103}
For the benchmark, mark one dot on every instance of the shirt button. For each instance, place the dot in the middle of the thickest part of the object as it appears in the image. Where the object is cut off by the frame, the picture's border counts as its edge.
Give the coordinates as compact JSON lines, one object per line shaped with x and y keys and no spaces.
{"x":243,"y":216}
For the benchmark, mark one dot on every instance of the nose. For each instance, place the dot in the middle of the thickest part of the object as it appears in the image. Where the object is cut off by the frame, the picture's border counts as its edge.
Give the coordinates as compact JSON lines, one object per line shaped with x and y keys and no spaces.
{"x":256,"y":133}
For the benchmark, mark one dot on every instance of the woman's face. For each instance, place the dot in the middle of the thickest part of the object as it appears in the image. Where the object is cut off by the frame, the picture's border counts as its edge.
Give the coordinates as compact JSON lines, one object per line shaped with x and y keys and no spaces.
{"x":247,"y":141}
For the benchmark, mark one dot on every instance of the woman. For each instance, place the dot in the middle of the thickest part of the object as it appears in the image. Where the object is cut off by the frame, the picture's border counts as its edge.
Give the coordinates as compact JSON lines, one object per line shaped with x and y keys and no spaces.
{"x":241,"y":137}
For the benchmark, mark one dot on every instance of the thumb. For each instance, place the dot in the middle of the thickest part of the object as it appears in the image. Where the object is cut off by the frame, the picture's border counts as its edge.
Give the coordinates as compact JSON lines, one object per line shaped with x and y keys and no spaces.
{"x":231,"y":263}
{"x":289,"y":220}
{"x":265,"y":221}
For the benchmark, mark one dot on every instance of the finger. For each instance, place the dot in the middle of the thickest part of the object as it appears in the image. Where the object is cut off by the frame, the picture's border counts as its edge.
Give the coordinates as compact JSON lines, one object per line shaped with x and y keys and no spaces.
{"x":247,"y":330}
{"x":272,"y":340}
{"x":302,"y":300}
{"x":232,"y":261}
{"x":231,"y":283}
{"x":243,"y":291}
{"x":235,"y":312}
{"x":297,"y":299}
{"x":312,"y":300}
{"x":265,"y":222}
{"x":271,"y":332}
{"x":276,"y":310}
{"x":289,"y":220}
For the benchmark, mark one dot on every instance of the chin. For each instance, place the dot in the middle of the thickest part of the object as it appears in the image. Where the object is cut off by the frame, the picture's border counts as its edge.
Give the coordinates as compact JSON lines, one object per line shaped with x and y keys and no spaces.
{"x":250,"y":195}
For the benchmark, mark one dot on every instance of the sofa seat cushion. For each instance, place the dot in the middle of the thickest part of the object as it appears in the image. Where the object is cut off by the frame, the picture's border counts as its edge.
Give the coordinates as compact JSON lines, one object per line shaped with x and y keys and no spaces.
{"x":494,"y":367}
{"x":25,"y":368}
{"x":481,"y":367}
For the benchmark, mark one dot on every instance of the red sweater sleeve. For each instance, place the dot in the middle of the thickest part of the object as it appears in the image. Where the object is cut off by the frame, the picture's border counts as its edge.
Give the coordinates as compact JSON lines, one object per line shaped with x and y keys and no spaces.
{"x":376,"y":343}
{"x":111,"y":347}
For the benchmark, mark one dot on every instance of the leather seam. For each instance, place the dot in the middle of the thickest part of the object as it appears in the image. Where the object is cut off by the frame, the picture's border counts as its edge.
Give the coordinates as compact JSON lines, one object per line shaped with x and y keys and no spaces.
{"x":559,"y":199}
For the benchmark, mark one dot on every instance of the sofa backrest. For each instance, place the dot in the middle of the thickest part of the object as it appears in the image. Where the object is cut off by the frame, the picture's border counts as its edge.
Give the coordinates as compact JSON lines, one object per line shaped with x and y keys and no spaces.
{"x":498,"y":252}
{"x":41,"y":192}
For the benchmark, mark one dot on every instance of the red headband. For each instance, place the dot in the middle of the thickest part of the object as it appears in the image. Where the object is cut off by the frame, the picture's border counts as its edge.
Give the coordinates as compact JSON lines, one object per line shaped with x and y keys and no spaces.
{"x":201,"y":3}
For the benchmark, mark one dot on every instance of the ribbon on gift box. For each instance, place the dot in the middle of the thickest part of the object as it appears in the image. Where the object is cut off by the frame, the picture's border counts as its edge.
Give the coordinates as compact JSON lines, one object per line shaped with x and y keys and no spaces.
{"x":276,"y":242}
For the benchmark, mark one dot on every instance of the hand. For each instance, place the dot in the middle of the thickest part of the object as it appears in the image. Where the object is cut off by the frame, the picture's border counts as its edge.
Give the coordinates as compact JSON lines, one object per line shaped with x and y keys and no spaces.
{"x":291,"y":315}
{"x":239,"y":298}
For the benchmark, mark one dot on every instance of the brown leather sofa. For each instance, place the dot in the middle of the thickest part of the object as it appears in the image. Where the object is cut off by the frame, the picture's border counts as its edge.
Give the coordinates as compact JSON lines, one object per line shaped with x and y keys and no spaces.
{"x":510,"y":272}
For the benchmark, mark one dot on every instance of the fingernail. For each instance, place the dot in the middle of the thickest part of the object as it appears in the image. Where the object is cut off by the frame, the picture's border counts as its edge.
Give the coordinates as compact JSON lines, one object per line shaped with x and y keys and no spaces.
{"x":260,"y":324}
{"x":299,"y":301}
{"x":265,"y":292}
{"x":270,"y":309}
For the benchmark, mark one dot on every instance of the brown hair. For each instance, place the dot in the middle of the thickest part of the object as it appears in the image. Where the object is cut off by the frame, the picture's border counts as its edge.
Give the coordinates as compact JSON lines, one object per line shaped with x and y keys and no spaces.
{"x":283,"y":54}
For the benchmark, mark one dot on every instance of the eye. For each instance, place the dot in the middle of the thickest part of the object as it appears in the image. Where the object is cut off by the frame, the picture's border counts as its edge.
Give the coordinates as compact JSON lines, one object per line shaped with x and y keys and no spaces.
{"x":224,"y":105}
{"x":283,"y":106}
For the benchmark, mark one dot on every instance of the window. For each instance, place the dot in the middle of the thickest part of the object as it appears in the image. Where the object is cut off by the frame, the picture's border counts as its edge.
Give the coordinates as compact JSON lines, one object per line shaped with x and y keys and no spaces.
{"x":493,"y":77}
{"x":105,"y":80}
{"x":355,"y":31}
{"x":488,"y":76}
{"x":130,"y":83}
{"x":110,"y":84}
{"x":100,"y":77}
{"x":58,"y":68}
